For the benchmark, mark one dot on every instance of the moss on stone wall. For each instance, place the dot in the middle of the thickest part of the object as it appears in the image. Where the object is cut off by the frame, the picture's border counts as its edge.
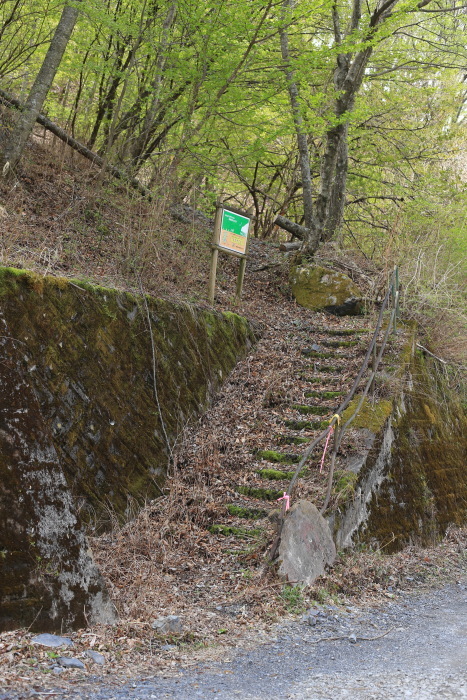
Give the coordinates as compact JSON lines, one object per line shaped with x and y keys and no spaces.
{"x":371,"y":415}
{"x":97,"y":385}
{"x":417,"y":464}
{"x":88,"y":353}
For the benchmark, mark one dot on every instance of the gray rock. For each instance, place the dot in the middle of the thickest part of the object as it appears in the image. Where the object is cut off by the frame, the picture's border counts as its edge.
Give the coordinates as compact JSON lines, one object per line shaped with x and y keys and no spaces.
{"x":306,"y":544}
{"x":352,"y":638}
{"x":311,"y":617}
{"x":95,"y":657}
{"x":51,"y":640}
{"x":168,"y":625}
{"x":70,"y":662}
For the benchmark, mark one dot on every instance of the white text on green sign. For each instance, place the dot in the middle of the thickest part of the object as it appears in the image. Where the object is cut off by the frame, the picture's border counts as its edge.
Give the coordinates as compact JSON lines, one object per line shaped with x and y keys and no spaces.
{"x":234,"y":231}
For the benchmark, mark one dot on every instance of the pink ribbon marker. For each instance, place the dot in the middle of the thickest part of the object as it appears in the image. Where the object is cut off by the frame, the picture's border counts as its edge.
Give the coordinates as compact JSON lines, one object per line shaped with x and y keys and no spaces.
{"x":325,"y":448}
{"x":285,"y":498}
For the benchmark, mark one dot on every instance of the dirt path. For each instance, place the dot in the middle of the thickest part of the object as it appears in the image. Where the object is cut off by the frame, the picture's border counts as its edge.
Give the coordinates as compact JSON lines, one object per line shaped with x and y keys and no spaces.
{"x":413,"y":646}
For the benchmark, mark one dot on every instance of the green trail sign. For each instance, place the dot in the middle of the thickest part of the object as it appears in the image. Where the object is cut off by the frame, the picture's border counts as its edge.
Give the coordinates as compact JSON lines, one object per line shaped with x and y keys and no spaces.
{"x":234,"y":231}
{"x":231,"y":230}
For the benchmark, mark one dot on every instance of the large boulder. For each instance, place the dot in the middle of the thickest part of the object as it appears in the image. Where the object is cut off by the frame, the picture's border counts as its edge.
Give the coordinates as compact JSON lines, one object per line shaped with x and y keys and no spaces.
{"x":323,"y":289}
{"x":306,"y":546}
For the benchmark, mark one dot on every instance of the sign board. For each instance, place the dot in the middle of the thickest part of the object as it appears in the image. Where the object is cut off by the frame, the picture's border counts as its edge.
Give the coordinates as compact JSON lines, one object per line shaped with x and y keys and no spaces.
{"x":233,"y":235}
{"x":231,"y":230}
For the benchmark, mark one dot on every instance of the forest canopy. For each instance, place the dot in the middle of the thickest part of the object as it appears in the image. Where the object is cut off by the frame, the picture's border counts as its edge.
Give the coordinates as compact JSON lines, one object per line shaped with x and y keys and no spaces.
{"x":341,"y":116}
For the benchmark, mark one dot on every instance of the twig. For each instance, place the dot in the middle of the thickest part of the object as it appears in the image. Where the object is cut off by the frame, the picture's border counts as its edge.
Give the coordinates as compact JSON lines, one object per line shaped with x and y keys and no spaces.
{"x":81,"y":289}
{"x":431,"y":354}
{"x":266,"y":267}
{"x":154,"y":370}
{"x":336,"y":639}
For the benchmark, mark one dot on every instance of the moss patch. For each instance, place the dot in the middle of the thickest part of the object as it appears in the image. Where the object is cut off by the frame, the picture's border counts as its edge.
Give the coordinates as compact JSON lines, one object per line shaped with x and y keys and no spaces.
{"x":347,"y":331}
{"x":274,"y":474}
{"x":277,"y":457}
{"x":340,"y":343}
{"x":242,"y":533}
{"x":320,"y":288}
{"x":318,"y":355}
{"x":323,"y":394}
{"x":312,"y":380}
{"x":369,"y":416}
{"x":259,"y":493}
{"x":291,"y":440}
{"x":247,"y":513}
{"x":312,"y":410}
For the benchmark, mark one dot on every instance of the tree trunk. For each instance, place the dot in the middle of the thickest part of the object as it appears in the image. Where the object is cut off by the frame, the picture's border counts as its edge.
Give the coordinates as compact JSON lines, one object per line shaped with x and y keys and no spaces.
{"x":296,"y":230}
{"x":310,"y":234}
{"x":15,"y":146}
{"x":335,"y":214}
{"x":143,"y":139}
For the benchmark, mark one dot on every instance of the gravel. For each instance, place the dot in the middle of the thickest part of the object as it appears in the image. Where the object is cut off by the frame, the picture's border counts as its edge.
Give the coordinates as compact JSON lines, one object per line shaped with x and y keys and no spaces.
{"x":412,"y":647}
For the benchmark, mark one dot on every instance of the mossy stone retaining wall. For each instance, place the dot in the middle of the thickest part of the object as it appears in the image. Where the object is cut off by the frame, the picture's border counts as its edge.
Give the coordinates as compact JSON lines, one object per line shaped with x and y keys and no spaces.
{"x":108,"y":381}
{"x":88,"y":353}
{"x":413,"y":483}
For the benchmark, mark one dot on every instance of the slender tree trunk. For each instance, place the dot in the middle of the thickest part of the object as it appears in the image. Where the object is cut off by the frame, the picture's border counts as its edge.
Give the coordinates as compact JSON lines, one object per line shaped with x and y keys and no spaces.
{"x":335,"y":213}
{"x":24,"y":126}
{"x":145,"y":135}
{"x":302,"y":140}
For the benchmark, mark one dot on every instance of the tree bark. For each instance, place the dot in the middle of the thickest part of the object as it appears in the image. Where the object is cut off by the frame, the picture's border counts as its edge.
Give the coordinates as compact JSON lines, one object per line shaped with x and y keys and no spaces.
{"x":300,"y":232}
{"x":142,"y":141}
{"x":302,"y":139}
{"x":336,"y":207}
{"x":15,"y":146}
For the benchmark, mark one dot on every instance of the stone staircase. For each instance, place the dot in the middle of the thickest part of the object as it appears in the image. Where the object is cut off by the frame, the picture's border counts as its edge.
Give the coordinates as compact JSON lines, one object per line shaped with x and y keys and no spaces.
{"x":328,"y":359}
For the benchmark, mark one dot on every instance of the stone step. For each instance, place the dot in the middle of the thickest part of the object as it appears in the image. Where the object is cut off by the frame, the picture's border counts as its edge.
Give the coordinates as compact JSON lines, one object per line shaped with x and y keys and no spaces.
{"x":329,"y":369}
{"x":324,"y":395}
{"x":291,"y":440}
{"x":242,"y":533}
{"x":340,"y":343}
{"x":261,"y":494}
{"x":277,"y":457}
{"x":345,"y":331}
{"x":311,"y":380}
{"x":318,"y":354}
{"x":275,"y":474}
{"x":306,"y":425}
{"x":305,"y":409}
{"x":245,"y":512}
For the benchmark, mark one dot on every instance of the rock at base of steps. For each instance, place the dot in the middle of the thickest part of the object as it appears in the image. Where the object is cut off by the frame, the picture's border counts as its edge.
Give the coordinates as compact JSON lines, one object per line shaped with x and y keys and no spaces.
{"x":306,"y":544}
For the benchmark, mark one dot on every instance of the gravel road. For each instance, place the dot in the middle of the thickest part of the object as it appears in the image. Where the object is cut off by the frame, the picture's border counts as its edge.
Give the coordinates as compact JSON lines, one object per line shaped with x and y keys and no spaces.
{"x":415,"y":646}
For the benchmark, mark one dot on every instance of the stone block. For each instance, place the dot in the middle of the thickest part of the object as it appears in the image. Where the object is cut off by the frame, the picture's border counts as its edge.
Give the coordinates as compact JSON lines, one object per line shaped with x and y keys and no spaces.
{"x":306,"y":546}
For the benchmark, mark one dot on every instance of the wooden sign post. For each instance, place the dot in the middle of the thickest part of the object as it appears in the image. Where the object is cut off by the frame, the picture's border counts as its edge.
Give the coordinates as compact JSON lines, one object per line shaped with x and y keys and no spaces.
{"x":231,"y":229}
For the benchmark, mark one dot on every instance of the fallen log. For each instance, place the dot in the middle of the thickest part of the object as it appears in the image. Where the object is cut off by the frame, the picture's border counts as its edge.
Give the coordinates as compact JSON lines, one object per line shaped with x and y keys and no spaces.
{"x":300,"y":232}
{"x":288,"y":247}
